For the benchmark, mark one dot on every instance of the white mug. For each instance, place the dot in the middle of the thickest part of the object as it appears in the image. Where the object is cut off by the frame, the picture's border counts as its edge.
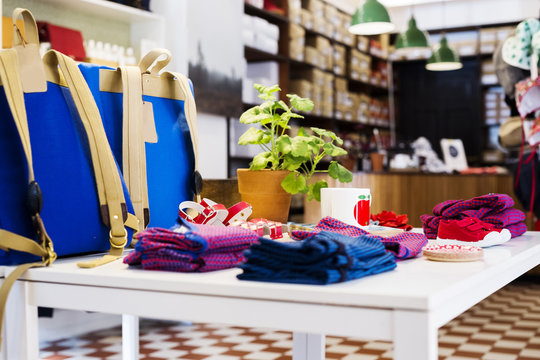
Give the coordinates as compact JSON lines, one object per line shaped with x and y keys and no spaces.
{"x":350,"y":205}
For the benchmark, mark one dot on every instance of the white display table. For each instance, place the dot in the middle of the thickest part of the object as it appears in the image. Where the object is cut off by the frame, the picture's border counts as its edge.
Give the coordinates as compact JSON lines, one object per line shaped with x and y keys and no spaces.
{"x":406,"y":305}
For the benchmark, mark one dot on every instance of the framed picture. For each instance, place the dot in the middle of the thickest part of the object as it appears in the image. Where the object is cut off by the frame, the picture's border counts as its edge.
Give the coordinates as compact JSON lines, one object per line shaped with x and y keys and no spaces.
{"x":454,"y":154}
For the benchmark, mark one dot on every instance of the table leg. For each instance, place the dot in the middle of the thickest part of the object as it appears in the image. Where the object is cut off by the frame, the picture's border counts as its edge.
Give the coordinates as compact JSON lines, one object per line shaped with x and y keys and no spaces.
{"x":130,"y":337}
{"x":415,"y":336}
{"x":308,"y":346}
{"x":21,"y":323}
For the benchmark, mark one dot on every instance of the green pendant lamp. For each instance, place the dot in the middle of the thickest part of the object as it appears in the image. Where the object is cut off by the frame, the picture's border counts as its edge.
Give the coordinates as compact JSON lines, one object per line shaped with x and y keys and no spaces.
{"x":444,"y":58}
{"x":413,"y":38}
{"x":371,"y":19}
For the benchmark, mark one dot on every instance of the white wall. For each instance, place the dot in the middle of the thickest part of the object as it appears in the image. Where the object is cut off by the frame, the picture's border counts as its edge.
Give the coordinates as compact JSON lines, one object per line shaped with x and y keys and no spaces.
{"x":212,"y":128}
{"x":464,"y":13}
{"x":176,"y":31}
{"x":212,"y":146}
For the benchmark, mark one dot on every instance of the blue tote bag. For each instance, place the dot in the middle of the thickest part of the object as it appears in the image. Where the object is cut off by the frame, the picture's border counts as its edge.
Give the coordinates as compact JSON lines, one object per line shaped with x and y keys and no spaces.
{"x":150,"y":119}
{"x":81,"y":197}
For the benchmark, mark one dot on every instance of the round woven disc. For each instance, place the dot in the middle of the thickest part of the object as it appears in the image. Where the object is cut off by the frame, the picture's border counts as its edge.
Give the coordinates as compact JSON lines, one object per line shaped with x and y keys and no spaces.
{"x":452,"y":252}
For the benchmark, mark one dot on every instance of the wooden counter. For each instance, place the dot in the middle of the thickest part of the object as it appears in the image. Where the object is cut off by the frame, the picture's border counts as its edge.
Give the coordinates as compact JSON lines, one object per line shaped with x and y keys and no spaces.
{"x":416,"y":194}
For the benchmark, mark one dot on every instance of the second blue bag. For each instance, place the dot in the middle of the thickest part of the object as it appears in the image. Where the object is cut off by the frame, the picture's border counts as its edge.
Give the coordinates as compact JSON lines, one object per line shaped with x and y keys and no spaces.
{"x":150,"y":120}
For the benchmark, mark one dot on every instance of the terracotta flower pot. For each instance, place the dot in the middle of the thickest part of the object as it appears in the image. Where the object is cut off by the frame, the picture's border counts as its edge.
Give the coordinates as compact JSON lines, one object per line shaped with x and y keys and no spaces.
{"x":262,"y":189}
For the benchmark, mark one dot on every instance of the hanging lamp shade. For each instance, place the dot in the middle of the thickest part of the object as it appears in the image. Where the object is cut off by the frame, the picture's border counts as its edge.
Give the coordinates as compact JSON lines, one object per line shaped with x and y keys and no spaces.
{"x":371,"y":19}
{"x":444,"y":58}
{"x":412,"y":38}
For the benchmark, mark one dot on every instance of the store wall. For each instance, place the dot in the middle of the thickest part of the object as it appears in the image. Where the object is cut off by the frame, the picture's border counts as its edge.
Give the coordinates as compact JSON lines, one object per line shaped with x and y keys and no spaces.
{"x":456,"y":13}
{"x":204,"y":37}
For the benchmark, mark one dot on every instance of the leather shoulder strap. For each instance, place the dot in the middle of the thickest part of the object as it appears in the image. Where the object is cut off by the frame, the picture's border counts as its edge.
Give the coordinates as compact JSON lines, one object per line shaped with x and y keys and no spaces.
{"x":11,"y":81}
{"x":109,"y":184}
{"x":133,"y":144}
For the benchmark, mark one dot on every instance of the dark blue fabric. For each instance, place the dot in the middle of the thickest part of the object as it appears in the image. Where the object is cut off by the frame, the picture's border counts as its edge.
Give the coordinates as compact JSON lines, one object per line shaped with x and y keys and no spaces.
{"x":321,"y":259}
{"x":64,"y":171}
{"x":169,"y":162}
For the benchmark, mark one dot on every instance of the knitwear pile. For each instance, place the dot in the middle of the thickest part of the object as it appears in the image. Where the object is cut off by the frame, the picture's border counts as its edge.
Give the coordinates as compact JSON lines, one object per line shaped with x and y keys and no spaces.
{"x":404,"y":245}
{"x":495,"y":209}
{"x":190,"y":247}
{"x":323,"y":258}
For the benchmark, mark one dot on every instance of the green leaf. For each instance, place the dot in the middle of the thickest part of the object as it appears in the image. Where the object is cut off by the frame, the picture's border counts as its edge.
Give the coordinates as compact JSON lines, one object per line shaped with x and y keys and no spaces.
{"x":292,"y":163}
{"x":294,"y":183}
{"x":286,"y":116}
{"x":271,"y":119}
{"x":337,"y":171}
{"x":284,"y":144}
{"x":267,"y":107}
{"x":300,"y":146}
{"x":266,"y":93}
{"x":333,"y":150}
{"x":260,"y":161}
{"x":302,"y":132}
{"x":267,"y":138}
{"x":314,"y":147}
{"x":323,"y":132}
{"x":281,"y":104}
{"x":265,"y":89}
{"x":295,"y":115}
{"x":254,"y":115}
{"x":251,"y":136}
{"x":315,"y":190}
{"x":302,"y":104}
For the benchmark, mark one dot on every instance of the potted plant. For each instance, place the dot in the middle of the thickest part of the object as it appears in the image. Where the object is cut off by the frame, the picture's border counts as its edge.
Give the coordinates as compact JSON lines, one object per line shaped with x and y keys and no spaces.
{"x":286,"y":164}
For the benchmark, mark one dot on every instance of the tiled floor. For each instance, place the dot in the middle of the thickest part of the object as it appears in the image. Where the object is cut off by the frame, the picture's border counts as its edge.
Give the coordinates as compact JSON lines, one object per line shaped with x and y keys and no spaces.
{"x":505,"y":326}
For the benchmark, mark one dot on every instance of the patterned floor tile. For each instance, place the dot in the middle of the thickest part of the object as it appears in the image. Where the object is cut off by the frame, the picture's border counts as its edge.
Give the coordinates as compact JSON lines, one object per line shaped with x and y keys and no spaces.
{"x":505,"y":326}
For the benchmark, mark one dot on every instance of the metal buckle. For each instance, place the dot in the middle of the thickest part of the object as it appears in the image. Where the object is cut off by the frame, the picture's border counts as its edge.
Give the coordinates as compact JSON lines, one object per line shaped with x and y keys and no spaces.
{"x":123,"y":237}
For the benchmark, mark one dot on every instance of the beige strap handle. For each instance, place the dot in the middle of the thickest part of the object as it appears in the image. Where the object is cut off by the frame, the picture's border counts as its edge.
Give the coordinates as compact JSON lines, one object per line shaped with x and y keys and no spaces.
{"x":31,"y":35}
{"x":134,"y":155}
{"x":151,"y":57}
{"x":109,"y":185}
{"x":133,"y":145}
{"x":9,"y":75}
{"x":190,"y":109}
{"x":31,"y":69}
{"x":191,"y":117}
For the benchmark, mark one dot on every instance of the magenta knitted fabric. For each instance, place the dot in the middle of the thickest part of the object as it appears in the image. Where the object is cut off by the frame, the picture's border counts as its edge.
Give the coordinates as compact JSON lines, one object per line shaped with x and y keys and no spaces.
{"x":403,"y":246}
{"x":199,"y":249}
{"x":495,"y":209}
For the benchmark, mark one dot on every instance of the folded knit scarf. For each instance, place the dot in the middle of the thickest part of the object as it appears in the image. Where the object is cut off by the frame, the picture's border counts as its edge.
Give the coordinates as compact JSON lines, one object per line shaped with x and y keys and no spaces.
{"x":495,"y":209}
{"x":321,"y":259}
{"x":403,"y":246}
{"x":191,"y":248}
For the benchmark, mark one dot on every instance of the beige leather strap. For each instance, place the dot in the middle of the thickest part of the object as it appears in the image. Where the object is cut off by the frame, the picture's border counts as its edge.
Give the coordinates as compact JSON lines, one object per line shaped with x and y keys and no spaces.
{"x":133,"y":145}
{"x":11,"y":81}
{"x":149,"y":59}
{"x":190,"y":109}
{"x":109,"y":184}
{"x":27,"y":46}
{"x":11,"y":241}
{"x":8,"y":283}
{"x":31,"y":35}
{"x":14,"y":94}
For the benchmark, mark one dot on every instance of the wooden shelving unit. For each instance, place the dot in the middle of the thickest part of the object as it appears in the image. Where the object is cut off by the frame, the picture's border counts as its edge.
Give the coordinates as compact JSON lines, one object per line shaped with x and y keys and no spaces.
{"x":289,"y":68}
